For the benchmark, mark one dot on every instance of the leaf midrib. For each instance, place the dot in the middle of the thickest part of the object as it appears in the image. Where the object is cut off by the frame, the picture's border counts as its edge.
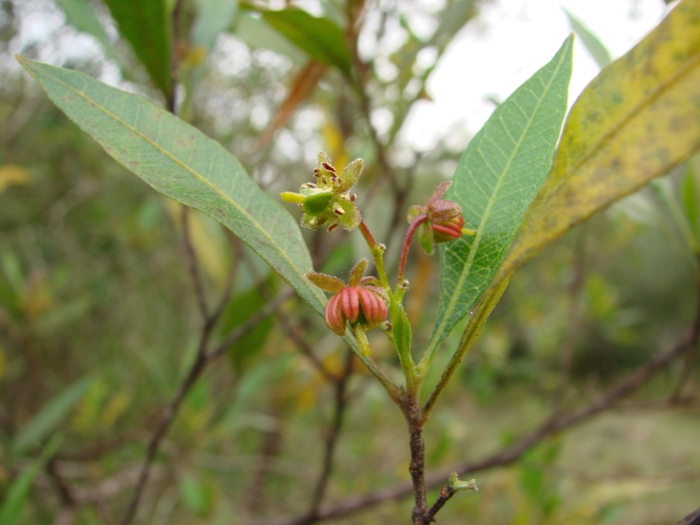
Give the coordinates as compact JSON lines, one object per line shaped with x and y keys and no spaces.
{"x":182,"y":164}
{"x":479,"y":233}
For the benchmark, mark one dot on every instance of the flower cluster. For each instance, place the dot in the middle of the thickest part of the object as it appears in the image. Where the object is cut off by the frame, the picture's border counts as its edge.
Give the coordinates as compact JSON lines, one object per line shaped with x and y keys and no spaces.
{"x":328,"y":202}
{"x":361,"y":302}
{"x":444,"y":221}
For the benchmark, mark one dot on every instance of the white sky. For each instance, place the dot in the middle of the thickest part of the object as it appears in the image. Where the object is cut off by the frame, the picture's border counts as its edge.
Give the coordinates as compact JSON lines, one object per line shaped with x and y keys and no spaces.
{"x":493,"y":55}
{"x":511,"y":40}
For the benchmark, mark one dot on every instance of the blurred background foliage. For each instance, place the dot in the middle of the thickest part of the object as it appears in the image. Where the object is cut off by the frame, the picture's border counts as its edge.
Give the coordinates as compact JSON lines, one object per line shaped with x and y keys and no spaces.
{"x":99,"y":322}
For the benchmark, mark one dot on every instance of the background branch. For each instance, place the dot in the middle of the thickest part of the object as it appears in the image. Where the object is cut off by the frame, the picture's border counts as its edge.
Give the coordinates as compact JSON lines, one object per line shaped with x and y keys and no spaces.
{"x":691,"y":519}
{"x":339,"y":408}
{"x":554,"y":424}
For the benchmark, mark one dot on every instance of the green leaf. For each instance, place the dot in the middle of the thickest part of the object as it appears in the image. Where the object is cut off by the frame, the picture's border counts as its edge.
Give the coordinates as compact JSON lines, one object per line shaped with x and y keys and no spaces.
{"x":321,"y":38}
{"x":11,"y":285}
{"x":689,"y":199}
{"x":196,"y":493}
{"x":51,"y":415}
{"x":401,"y":331}
{"x":497,"y":177}
{"x":17,"y":493}
{"x":146,"y":26}
{"x":179,"y":161}
{"x":663,"y":188}
{"x":240,"y":309}
{"x":638,"y":119}
{"x":82,"y":17}
{"x":214,"y":17}
{"x":257,"y":34}
{"x":595,"y":47}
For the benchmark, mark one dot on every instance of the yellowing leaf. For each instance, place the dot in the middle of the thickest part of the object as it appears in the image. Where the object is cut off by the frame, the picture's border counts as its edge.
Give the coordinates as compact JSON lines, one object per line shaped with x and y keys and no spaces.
{"x":11,"y":174}
{"x":610,"y":492}
{"x":115,"y":408}
{"x":209,"y":245}
{"x":635,"y":121}
{"x":334,"y":140}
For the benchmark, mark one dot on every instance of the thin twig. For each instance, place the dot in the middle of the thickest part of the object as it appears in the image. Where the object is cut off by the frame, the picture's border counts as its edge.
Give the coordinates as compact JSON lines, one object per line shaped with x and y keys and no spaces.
{"x":400,"y":192}
{"x":686,"y":372}
{"x":240,"y":331}
{"x":171,"y":102}
{"x":553,"y":425}
{"x":164,"y":424}
{"x":199,"y":362}
{"x":290,"y":328}
{"x":298,"y":339}
{"x":202,"y":358}
{"x":691,"y":519}
{"x":445,"y":494}
{"x":331,"y":441}
{"x":192,"y":264}
{"x":64,"y":491}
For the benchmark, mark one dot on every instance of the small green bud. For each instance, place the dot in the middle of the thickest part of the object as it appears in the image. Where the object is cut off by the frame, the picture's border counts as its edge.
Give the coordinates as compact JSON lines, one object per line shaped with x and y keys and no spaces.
{"x":455,"y":484}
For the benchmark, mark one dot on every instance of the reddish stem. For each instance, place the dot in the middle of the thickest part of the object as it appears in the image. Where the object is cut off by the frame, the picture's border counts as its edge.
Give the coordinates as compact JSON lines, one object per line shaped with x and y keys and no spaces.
{"x":406,"y":246}
{"x":367,"y":235}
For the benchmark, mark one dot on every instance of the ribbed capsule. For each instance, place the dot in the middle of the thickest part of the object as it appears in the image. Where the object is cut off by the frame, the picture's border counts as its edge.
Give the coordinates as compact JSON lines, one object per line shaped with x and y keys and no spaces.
{"x":358,"y":305}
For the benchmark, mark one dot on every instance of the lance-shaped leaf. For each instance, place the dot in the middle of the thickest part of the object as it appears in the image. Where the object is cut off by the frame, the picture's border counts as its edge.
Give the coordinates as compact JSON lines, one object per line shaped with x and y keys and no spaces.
{"x":51,"y":415}
{"x":595,"y":47}
{"x":82,"y":17}
{"x":214,"y":17}
{"x":635,"y":121}
{"x":146,"y":26}
{"x":497,"y":177}
{"x":179,"y":161}
{"x":321,"y":38}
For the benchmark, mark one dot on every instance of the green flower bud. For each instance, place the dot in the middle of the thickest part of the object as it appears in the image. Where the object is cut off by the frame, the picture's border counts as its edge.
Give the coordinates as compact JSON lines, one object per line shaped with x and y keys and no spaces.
{"x":328,"y":202}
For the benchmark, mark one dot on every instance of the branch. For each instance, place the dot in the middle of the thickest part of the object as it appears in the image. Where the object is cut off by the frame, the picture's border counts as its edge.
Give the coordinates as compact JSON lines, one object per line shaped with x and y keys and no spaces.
{"x":290,"y":328}
{"x":202,"y":358}
{"x":192,"y":263}
{"x":298,"y":339}
{"x":166,"y":420}
{"x":552,"y":425}
{"x":240,"y":331}
{"x":417,"y":470}
{"x":453,"y":486}
{"x":387,"y":170}
{"x":340,"y":407}
{"x":64,"y":491}
{"x":691,"y":519}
